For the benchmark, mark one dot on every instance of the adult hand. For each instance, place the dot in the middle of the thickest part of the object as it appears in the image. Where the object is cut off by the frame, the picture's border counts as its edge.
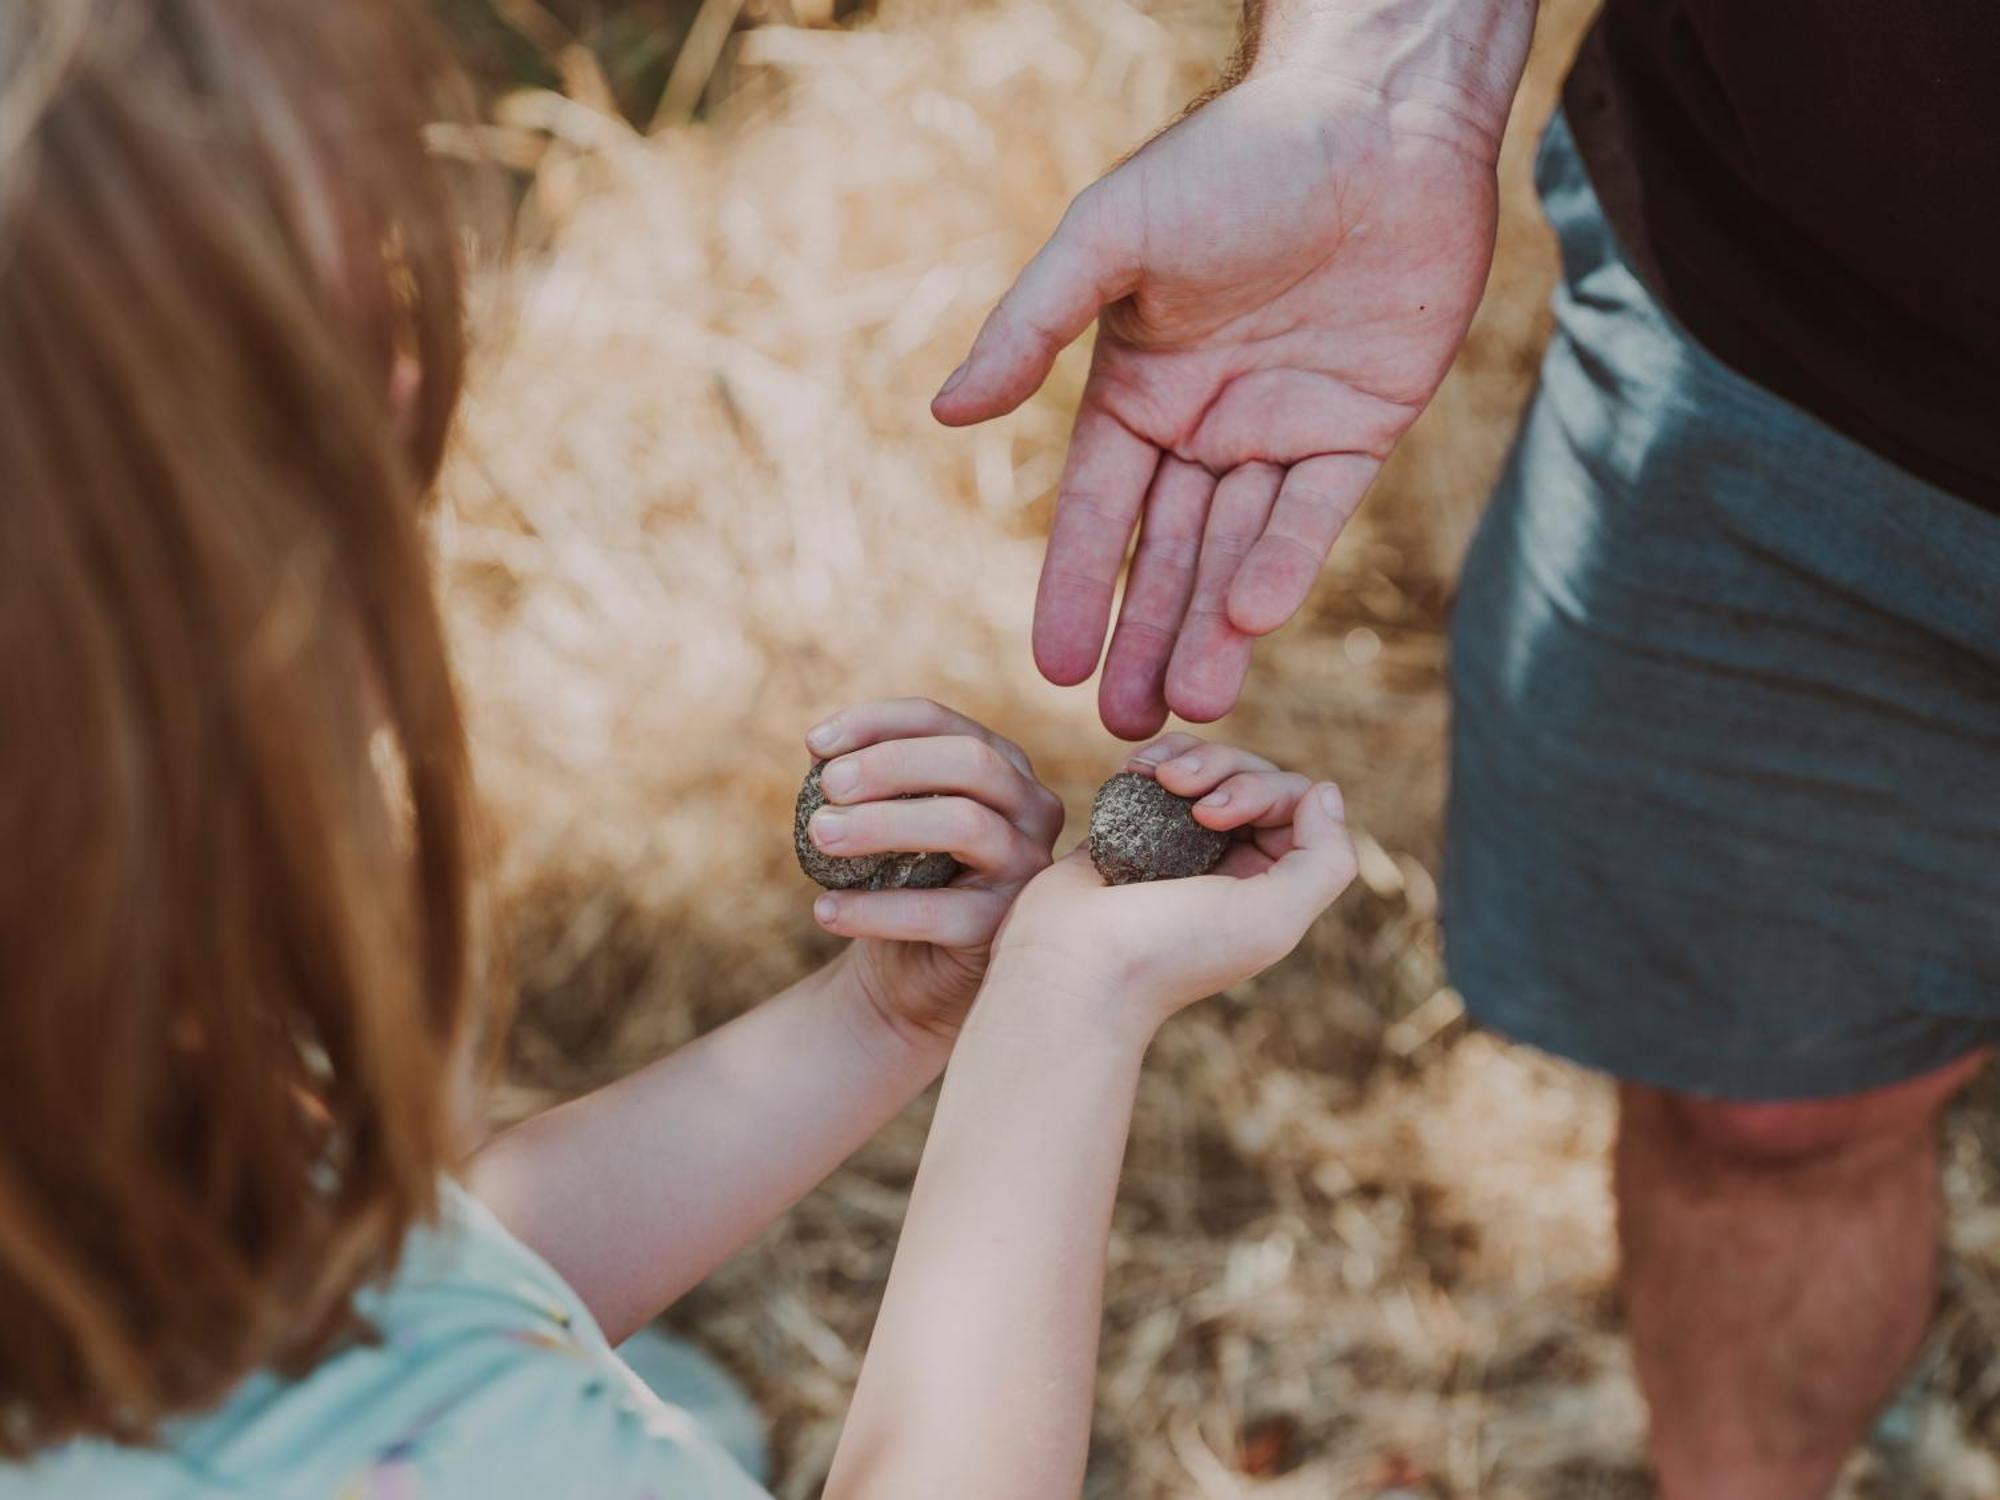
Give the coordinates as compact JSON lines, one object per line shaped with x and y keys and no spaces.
{"x":1281,"y":279}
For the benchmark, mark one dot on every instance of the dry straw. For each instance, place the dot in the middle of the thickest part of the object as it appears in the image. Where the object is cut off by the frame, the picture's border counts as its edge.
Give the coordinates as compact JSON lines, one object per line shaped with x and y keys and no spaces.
{"x":699,"y":503}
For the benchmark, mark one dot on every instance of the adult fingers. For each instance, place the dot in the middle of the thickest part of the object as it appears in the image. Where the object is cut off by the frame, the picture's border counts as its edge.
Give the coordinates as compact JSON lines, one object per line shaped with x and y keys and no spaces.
{"x":1131,"y":698}
{"x":1318,"y":497}
{"x":972,"y":833}
{"x":953,"y":917}
{"x":899,"y":719}
{"x":1086,"y":264}
{"x":1212,"y":655}
{"x":1103,"y":487}
{"x":964,"y":764}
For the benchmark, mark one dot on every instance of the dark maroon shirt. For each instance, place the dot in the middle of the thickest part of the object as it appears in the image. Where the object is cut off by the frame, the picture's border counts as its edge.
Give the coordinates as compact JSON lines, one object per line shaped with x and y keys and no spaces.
{"x":1812,"y":187}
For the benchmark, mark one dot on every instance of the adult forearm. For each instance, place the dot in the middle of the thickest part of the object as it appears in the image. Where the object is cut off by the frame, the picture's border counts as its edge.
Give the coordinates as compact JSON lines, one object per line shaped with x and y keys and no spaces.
{"x":978,"y":1380}
{"x":637,"y":1191}
{"x":1461,"y":59}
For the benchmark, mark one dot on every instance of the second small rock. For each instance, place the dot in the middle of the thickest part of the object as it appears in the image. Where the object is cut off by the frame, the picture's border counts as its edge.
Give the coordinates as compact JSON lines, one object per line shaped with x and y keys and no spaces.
{"x":1141,"y":831}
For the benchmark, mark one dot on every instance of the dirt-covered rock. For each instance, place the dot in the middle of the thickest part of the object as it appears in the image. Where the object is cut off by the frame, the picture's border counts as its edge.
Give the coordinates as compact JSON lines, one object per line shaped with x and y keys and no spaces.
{"x":1141,"y":831}
{"x":865,"y":872}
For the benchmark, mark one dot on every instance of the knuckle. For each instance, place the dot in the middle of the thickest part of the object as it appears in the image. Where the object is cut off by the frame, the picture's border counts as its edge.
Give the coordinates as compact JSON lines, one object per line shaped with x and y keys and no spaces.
{"x":1256,"y":783}
{"x":971,"y":823}
{"x":1230,"y":546}
{"x":987,"y":762}
{"x":860,"y":767}
{"x":1061,"y":578}
{"x":1156,"y":628}
{"x":1307,"y":554}
{"x":860,"y":824}
{"x":1178,"y":554}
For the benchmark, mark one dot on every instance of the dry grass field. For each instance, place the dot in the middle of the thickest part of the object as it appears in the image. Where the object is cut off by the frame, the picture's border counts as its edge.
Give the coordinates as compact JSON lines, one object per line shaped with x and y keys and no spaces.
{"x":1361,"y":1249}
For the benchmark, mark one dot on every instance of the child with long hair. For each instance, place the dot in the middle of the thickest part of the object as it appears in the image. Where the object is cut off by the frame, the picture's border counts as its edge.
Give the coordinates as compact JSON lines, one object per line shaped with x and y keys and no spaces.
{"x":250,"y":1243}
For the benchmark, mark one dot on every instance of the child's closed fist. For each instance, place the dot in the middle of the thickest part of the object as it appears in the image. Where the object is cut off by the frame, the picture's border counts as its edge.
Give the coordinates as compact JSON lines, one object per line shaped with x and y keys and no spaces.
{"x":921,"y":954}
{"x":1151,"y":948}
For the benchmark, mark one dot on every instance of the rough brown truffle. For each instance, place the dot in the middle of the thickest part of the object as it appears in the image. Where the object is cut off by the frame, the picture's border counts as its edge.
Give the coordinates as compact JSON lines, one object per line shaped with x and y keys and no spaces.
{"x":1141,"y":831}
{"x":866,"y":872}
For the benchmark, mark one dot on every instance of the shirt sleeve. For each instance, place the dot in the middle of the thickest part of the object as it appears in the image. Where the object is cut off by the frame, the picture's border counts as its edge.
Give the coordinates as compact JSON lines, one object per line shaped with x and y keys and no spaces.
{"x":495,"y":1384}
{"x":541,"y":1421}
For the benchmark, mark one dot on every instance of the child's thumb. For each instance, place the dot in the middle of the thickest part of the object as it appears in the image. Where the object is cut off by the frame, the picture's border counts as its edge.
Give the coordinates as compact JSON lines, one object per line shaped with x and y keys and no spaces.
{"x":1321,"y":863}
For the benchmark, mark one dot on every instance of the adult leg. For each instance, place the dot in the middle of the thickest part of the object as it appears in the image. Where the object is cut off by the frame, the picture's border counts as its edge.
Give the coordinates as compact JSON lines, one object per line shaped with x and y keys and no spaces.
{"x":1780,"y":1270}
{"x":1726,"y":703}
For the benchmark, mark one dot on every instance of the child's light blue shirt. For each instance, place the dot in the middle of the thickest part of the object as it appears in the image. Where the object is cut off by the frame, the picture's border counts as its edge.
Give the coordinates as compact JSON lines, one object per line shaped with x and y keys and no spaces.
{"x":491,"y":1382}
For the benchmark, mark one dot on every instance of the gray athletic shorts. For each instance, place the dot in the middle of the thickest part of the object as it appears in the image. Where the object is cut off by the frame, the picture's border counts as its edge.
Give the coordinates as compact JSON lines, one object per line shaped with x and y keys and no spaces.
{"x":1725,"y":814}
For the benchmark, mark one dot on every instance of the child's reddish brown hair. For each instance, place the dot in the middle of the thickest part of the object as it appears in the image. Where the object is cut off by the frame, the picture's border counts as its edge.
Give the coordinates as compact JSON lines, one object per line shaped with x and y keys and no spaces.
{"x":232,"y":775}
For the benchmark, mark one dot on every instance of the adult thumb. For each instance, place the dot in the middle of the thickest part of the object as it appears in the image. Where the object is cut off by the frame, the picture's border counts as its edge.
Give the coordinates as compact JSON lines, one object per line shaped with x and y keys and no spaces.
{"x":1083,"y":268}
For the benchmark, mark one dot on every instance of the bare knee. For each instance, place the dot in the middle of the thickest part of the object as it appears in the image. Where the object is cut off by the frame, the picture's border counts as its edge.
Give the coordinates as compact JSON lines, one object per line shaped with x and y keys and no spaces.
{"x":1795,"y":1133}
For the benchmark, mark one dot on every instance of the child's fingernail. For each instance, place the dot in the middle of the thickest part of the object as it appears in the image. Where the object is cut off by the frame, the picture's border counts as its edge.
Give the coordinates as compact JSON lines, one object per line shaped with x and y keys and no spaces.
{"x":840,"y":778}
{"x":1152,"y":755}
{"x":1330,"y":800}
{"x":822,"y":737}
{"x":826,"y":908}
{"x":1187,"y":765}
{"x":1216,"y":798}
{"x":956,"y":378}
{"x":828,"y":826}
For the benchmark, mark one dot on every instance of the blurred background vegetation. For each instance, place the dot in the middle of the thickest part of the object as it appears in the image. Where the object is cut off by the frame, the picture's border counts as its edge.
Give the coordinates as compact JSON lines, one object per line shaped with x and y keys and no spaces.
{"x":1361,"y":1249}
{"x":633,"y":44}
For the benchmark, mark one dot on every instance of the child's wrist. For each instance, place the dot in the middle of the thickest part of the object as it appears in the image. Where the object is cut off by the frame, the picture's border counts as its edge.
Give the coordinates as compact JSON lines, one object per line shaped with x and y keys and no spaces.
{"x":1070,"y":1003}
{"x":878,"y":1024}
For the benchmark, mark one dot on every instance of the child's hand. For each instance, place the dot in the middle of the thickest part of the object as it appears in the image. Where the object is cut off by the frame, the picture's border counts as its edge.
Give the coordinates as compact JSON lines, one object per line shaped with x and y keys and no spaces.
{"x":1152,"y":948}
{"x":921,"y":954}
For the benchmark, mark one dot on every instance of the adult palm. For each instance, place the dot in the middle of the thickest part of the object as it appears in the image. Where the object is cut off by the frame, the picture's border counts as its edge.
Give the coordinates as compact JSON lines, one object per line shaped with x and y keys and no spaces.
{"x":1283,"y":278}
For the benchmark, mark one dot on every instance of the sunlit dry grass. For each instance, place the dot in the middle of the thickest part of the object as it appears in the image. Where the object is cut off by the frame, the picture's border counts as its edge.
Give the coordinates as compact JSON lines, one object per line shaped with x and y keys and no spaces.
{"x":700,"y":503}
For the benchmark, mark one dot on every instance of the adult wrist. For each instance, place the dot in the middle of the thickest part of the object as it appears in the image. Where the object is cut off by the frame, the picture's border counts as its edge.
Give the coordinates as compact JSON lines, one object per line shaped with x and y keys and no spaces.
{"x":1447,"y":68}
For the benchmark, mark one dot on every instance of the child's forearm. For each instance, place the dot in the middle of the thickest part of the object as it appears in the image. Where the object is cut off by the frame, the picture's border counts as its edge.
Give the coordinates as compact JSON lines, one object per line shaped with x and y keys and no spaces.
{"x":636,"y":1192}
{"x":978,"y":1380}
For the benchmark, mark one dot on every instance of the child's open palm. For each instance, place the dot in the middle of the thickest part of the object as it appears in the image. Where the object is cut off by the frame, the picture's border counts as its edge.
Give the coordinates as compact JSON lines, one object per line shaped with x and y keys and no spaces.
{"x":1147,"y":950}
